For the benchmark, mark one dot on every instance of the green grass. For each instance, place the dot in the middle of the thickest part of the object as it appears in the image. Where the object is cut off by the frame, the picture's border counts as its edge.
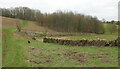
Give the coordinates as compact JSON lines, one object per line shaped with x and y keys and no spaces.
{"x":50,"y":51}
{"x":107,"y":32}
{"x":106,"y":36}
{"x":15,"y":48}
{"x":24,"y":23}
{"x":20,"y":54}
{"x":93,"y":37}
{"x":14,"y":51}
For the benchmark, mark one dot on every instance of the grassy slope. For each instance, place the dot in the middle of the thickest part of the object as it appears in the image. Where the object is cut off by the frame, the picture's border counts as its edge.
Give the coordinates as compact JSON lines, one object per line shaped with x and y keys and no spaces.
{"x":18,"y":54}
{"x":34,"y":27}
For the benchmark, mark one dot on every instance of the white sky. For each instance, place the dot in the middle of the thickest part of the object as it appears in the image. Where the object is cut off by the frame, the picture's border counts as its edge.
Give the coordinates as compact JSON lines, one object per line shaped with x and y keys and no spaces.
{"x":107,"y":9}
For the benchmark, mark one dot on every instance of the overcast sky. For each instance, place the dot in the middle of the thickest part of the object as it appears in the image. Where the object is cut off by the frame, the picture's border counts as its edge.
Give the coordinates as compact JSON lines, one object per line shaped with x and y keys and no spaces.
{"x":107,"y":9}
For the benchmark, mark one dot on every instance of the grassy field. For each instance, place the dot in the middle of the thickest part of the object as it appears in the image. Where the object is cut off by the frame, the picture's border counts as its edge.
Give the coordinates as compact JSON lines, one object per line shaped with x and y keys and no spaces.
{"x":107,"y":32}
{"x":107,"y":36}
{"x":18,"y":53}
{"x":94,"y":37}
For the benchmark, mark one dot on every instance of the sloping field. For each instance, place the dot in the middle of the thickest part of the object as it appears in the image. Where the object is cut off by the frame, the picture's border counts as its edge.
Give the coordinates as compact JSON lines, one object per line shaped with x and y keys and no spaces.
{"x":34,"y":27}
{"x":18,"y":53}
{"x":31,"y":26}
{"x":9,"y":22}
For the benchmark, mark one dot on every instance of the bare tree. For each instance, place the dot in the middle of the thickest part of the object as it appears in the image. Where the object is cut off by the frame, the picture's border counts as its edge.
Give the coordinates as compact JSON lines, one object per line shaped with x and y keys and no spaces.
{"x":18,"y":25}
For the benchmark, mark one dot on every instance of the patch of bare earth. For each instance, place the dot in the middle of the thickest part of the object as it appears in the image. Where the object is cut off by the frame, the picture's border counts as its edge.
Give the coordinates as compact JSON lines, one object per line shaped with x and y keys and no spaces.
{"x":79,"y":57}
{"x":9,"y":22}
{"x":33,"y":52}
{"x":41,"y":40}
{"x":104,"y":58}
{"x":107,"y":61}
{"x":61,"y":37}
{"x":6,"y":18}
{"x":100,"y":56}
{"x":39,"y":54}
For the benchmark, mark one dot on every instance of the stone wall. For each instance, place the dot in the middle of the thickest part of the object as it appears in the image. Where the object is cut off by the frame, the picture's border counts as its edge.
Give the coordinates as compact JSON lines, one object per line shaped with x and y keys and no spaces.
{"x":80,"y":42}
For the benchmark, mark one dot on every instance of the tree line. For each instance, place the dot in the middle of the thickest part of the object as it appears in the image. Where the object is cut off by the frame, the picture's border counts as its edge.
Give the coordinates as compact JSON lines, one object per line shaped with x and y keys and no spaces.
{"x":67,"y":21}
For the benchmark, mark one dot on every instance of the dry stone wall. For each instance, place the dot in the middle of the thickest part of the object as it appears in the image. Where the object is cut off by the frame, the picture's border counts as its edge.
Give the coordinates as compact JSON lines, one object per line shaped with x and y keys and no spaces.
{"x":80,"y":42}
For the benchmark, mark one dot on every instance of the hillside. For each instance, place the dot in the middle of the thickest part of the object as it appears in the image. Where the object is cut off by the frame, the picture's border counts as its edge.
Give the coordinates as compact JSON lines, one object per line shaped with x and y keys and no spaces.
{"x":61,"y":21}
{"x":30,"y":26}
{"x":39,"y":54}
{"x":34,"y":27}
